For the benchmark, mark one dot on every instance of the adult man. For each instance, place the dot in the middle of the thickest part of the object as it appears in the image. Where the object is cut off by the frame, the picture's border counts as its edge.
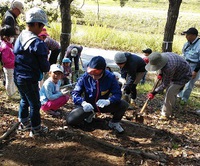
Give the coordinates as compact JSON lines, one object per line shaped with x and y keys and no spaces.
{"x":132,"y":70}
{"x":191,"y":53}
{"x":73,"y":53}
{"x":101,"y":94}
{"x":30,"y":61}
{"x":175,"y":72}
{"x":11,"y":15}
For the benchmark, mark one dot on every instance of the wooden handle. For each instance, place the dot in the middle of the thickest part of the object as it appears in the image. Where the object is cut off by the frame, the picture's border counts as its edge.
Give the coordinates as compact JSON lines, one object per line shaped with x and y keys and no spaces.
{"x":145,"y":104}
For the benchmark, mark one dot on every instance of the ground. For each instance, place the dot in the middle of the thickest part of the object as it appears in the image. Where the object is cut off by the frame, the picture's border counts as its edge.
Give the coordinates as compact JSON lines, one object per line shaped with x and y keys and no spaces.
{"x":154,"y":142}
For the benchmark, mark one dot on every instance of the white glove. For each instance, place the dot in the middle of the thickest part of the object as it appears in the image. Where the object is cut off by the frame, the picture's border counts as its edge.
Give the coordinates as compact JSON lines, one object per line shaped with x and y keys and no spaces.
{"x":64,"y":91}
{"x":87,"y":107}
{"x":102,"y":103}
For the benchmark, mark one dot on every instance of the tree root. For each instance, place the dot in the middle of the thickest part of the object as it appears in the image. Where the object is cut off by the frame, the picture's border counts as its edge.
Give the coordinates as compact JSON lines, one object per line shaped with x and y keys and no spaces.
{"x":7,"y":133}
{"x":148,"y":155}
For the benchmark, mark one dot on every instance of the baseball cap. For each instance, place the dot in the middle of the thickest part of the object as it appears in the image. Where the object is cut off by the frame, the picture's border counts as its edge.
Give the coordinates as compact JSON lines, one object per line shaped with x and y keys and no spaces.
{"x":56,"y":67}
{"x":96,"y":65}
{"x":148,"y":51}
{"x":18,"y":5}
{"x":36,"y":14}
{"x":192,"y":30}
{"x":74,"y":51}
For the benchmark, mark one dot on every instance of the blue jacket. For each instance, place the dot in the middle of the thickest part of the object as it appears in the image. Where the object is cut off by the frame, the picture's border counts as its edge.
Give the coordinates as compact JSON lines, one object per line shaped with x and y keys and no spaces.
{"x":30,"y":58}
{"x":106,"y":87}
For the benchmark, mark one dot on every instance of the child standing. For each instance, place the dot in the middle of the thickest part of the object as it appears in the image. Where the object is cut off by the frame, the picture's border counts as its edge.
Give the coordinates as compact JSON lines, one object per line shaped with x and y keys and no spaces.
{"x":67,"y":71}
{"x":51,"y":97}
{"x":146,"y":52}
{"x":30,"y":62}
{"x":8,"y":58}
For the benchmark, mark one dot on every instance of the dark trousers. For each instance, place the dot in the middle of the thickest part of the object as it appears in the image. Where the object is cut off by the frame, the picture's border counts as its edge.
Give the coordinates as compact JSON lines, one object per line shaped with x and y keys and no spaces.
{"x":53,"y":56}
{"x":78,"y":115}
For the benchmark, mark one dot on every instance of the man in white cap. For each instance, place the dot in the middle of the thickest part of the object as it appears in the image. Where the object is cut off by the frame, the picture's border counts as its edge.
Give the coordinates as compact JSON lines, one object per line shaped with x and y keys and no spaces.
{"x":191,"y":53}
{"x":31,"y":55}
{"x":73,"y":53}
{"x":175,"y":73}
{"x":10,"y":17}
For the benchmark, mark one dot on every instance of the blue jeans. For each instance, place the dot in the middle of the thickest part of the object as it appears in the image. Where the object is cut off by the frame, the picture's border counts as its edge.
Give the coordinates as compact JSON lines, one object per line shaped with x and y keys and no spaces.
{"x":30,"y":103}
{"x":185,"y":93}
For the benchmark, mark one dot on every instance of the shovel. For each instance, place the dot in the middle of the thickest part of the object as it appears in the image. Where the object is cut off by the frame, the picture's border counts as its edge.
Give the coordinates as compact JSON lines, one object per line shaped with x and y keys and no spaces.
{"x":139,"y":116}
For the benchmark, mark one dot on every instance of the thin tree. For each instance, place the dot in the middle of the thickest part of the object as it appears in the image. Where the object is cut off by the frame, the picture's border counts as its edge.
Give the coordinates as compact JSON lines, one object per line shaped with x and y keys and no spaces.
{"x":170,"y":26}
{"x":66,"y":22}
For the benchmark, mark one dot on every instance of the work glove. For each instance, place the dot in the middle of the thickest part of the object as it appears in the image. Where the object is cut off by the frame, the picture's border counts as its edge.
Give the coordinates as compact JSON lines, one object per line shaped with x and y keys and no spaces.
{"x":159,"y":76}
{"x":87,"y":107}
{"x":64,"y":91}
{"x":146,"y":60}
{"x":151,"y":95}
{"x":102,"y":103}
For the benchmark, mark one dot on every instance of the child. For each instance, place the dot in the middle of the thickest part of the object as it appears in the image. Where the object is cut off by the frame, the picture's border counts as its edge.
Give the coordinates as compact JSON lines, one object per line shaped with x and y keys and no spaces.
{"x":146,"y":52}
{"x":8,"y":58}
{"x":51,"y":97}
{"x":30,"y":61}
{"x":67,"y":71}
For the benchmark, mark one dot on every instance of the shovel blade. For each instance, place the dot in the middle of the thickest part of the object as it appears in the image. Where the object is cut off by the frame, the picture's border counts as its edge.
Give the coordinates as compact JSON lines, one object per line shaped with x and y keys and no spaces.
{"x":139,"y":118}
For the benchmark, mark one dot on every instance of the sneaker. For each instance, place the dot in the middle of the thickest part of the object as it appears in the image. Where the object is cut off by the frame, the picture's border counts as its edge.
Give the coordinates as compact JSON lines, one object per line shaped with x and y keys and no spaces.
{"x":52,"y":112}
{"x":39,"y":132}
{"x":116,"y":126}
{"x":90,"y":118}
{"x":24,"y":126}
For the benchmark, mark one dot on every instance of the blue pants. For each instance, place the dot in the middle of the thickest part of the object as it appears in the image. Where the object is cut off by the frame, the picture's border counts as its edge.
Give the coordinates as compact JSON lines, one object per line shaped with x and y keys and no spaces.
{"x":185,"y":93}
{"x":29,"y":104}
{"x":78,"y":115}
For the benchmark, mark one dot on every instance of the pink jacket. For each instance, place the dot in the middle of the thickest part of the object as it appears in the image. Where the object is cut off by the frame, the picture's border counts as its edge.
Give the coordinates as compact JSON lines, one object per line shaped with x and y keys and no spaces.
{"x":8,"y":57}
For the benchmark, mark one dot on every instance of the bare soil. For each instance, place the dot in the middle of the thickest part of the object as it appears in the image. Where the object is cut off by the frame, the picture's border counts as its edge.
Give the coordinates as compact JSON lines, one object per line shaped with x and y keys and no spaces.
{"x":153,"y":143}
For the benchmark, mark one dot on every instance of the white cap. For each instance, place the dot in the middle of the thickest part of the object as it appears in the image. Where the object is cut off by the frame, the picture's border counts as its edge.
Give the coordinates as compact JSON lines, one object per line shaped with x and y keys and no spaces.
{"x":74,"y":51}
{"x":18,"y":5}
{"x":56,"y":67}
{"x":36,"y":15}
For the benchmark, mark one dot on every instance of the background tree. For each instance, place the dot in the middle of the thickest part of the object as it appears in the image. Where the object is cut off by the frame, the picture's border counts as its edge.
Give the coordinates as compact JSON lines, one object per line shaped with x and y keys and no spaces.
{"x":66,"y":22}
{"x":172,"y":16}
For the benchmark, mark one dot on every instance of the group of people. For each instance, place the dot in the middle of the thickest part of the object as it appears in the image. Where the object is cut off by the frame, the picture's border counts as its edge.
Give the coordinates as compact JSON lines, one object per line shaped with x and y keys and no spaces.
{"x":97,"y":90}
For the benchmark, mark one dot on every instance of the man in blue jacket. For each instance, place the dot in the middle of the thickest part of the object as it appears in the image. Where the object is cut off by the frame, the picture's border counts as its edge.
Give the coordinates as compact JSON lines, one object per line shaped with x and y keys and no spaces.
{"x":132,"y":70}
{"x":30,"y":62}
{"x":102,"y":94}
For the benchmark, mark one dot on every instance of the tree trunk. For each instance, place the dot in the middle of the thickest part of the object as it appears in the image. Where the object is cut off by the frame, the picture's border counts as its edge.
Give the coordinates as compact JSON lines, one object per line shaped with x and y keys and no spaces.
{"x":66,"y":22}
{"x":172,"y":16}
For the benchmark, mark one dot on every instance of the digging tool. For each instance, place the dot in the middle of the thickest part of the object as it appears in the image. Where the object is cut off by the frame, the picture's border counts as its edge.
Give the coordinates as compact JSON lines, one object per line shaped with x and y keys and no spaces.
{"x":139,"y":116}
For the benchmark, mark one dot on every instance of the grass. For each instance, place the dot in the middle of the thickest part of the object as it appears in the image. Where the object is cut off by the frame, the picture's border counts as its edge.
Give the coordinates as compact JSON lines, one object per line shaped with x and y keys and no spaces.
{"x":128,"y":29}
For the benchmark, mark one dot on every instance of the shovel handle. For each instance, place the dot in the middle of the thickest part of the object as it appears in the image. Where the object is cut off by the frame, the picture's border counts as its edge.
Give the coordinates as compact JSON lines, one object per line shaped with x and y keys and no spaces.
{"x":145,"y":104}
